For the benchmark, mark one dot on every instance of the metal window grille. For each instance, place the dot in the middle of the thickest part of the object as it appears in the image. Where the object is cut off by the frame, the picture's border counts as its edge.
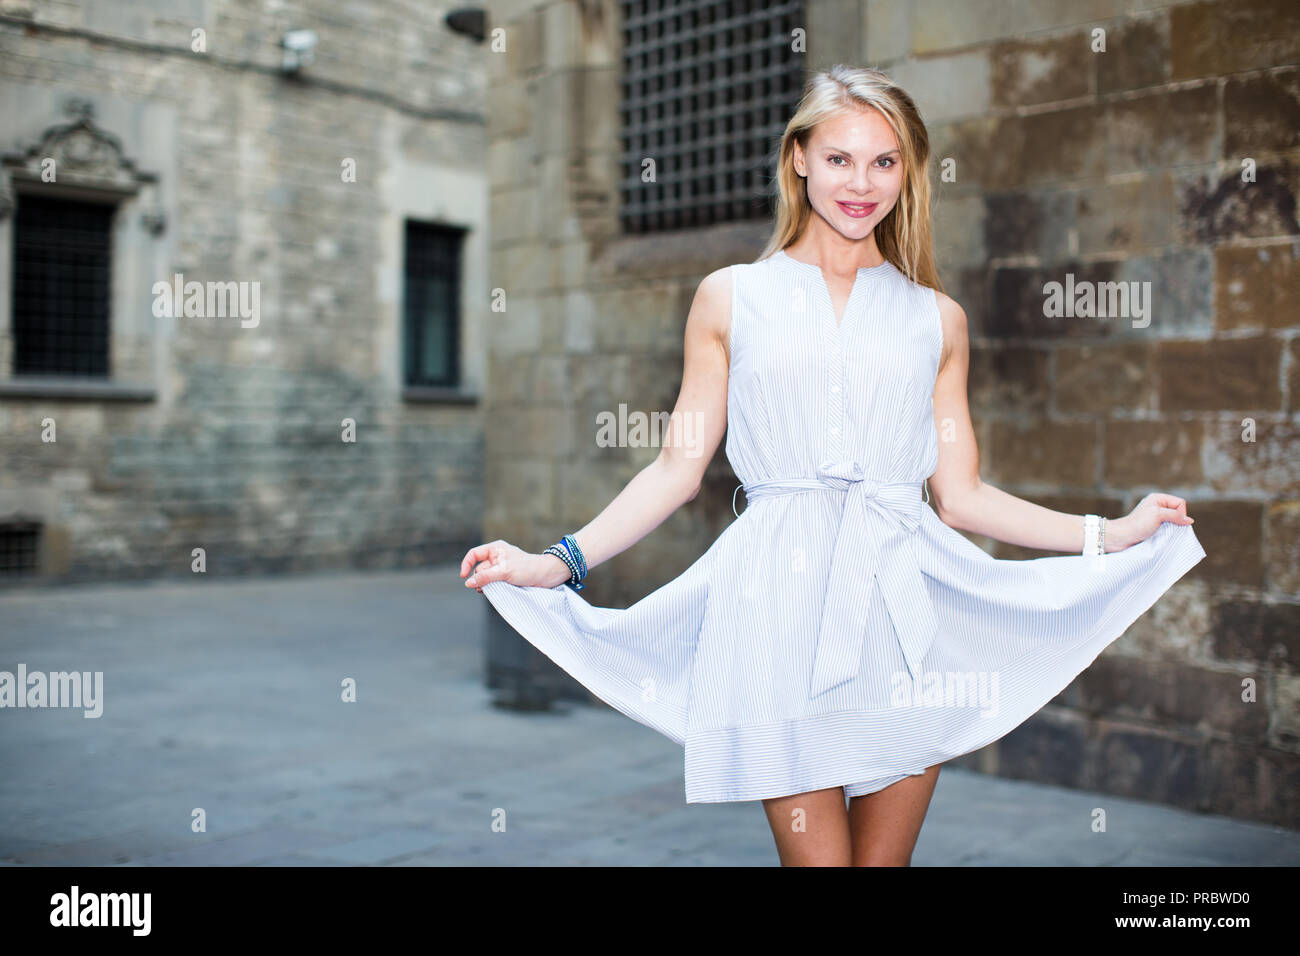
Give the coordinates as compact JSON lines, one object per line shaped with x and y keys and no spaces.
{"x":707,"y":91}
{"x":62,"y":252}
{"x":18,"y":541}
{"x":431,"y":304}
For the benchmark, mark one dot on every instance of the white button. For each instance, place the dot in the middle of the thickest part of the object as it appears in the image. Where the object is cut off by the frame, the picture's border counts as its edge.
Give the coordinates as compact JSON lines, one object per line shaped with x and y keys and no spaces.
{"x":835,"y":431}
{"x":835,"y":389}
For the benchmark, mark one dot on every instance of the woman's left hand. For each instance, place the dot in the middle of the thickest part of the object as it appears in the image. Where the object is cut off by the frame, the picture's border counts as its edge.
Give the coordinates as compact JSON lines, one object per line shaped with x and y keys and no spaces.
{"x":1142,"y":522}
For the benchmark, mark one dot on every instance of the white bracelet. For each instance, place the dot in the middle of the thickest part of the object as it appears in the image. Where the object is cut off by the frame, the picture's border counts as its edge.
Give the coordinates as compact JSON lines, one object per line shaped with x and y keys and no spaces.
{"x":1094,"y":535}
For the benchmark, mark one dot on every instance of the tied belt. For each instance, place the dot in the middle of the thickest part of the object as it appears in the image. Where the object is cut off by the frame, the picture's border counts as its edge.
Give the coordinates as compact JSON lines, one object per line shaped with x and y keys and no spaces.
{"x":874,"y":538}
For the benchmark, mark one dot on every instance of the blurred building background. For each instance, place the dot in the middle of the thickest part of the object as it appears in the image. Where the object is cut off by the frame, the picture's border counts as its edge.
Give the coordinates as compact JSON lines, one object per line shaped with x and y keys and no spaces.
{"x":502,"y":241}
{"x":351,"y":190}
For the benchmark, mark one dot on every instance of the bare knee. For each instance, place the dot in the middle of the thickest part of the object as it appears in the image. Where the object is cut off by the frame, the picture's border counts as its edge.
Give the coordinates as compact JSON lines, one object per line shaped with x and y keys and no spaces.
{"x":883,"y":859}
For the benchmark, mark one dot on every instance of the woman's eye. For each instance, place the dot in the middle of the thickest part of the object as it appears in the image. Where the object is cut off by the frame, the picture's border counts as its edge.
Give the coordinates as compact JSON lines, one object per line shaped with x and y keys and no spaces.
{"x":833,"y":158}
{"x":890,"y":160}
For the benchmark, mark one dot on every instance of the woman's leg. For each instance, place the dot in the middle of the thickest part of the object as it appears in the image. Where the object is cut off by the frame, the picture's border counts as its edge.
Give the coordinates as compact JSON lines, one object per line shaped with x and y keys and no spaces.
{"x":811,"y":829}
{"x":885,"y":824}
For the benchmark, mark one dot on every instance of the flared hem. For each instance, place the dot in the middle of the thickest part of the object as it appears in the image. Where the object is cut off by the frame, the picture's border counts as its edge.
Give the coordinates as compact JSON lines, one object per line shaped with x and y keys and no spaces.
{"x":862,"y":751}
{"x":552,"y":633}
{"x":786,"y":757}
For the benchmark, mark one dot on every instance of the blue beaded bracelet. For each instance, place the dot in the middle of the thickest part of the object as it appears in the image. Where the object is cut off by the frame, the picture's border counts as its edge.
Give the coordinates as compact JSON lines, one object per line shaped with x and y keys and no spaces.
{"x":570,"y":542}
{"x":577,"y":566}
{"x":563,"y":555}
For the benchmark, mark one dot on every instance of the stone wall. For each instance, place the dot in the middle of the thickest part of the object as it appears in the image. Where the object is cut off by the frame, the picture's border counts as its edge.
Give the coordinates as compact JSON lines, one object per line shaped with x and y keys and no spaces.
{"x":1118,"y":164}
{"x":225,"y":437}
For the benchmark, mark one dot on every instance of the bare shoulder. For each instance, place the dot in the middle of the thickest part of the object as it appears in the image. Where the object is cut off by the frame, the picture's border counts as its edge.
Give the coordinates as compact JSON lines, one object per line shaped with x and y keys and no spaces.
{"x":952,"y":317}
{"x":951,"y":313}
{"x":711,"y":311}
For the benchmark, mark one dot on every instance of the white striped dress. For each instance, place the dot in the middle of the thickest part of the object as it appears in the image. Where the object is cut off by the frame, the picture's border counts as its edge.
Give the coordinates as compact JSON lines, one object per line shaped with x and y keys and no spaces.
{"x":838,"y":633}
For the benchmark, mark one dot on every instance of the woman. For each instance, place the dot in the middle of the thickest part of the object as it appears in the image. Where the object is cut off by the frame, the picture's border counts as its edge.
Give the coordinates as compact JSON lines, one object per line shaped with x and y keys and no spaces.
{"x":841,"y":638}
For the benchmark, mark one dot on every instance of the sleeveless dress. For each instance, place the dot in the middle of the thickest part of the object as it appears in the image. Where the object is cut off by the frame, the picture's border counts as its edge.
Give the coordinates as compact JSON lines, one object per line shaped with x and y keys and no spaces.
{"x":838,"y":633}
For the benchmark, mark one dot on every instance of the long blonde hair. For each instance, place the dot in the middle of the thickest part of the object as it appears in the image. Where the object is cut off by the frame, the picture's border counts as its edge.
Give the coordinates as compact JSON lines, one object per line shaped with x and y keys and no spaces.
{"x":904,"y":236}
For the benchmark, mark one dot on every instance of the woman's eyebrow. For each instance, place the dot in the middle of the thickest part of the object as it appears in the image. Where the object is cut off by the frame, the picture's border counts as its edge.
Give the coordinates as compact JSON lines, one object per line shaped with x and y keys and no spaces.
{"x":836,"y":149}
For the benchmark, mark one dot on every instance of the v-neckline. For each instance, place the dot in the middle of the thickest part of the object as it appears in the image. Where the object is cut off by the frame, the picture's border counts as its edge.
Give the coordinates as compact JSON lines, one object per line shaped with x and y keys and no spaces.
{"x":839,"y":320}
{"x":848,"y":300}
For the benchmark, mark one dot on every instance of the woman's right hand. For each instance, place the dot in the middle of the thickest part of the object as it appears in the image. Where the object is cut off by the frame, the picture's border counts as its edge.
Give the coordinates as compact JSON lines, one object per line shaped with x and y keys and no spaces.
{"x":502,"y":561}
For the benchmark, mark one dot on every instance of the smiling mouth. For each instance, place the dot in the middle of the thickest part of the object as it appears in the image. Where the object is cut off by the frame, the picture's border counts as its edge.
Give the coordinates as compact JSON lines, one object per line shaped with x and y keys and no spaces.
{"x":857,"y":208}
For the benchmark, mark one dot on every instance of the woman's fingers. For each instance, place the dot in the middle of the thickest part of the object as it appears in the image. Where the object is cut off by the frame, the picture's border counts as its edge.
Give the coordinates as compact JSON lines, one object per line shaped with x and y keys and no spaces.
{"x":1170,"y":508}
{"x":472,"y":557}
{"x":476,"y":578}
{"x":493,"y":569}
{"x":484,"y":552}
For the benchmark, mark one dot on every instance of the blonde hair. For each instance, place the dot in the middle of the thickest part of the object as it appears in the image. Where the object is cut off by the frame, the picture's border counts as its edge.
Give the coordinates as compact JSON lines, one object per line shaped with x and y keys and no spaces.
{"x":904,"y":236}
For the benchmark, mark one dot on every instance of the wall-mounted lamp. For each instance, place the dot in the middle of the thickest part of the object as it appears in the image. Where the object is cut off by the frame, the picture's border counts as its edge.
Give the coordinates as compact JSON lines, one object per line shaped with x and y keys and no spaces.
{"x":299,"y":49}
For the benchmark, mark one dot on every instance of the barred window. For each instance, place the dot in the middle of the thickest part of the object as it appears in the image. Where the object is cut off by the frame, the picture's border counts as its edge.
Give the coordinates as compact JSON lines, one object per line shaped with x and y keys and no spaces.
{"x":707,"y":91}
{"x":431,"y":304}
{"x":62,"y":252}
{"x":19,"y":547}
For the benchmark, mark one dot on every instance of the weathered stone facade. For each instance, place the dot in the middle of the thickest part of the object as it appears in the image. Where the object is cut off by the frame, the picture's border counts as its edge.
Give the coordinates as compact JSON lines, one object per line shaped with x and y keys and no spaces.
{"x":1122,"y":165}
{"x":229,"y":438}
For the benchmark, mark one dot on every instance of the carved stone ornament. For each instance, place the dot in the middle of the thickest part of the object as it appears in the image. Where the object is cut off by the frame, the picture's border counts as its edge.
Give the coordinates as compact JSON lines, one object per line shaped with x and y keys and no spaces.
{"x":83,"y":155}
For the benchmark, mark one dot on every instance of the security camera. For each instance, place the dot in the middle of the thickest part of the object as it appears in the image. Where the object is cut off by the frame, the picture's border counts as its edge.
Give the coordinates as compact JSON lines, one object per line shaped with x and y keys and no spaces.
{"x":299,"y":46}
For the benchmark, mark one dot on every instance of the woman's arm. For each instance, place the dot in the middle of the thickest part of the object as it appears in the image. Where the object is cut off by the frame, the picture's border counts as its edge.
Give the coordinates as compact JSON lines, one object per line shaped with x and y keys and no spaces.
{"x":697,"y":425}
{"x":695,"y":430}
{"x":965,"y":502}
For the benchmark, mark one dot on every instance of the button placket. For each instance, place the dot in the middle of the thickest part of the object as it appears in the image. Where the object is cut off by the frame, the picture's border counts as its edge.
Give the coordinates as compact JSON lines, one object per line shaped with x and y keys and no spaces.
{"x":833,"y":344}
{"x":834,"y":350}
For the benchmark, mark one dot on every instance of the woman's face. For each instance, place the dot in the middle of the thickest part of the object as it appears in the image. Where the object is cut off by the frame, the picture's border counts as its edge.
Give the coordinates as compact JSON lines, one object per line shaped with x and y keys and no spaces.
{"x":854,"y":171}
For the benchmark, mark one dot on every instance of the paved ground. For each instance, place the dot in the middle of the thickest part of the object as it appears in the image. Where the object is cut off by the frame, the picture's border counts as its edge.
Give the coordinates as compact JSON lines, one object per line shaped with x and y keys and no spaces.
{"x":225,"y":695}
